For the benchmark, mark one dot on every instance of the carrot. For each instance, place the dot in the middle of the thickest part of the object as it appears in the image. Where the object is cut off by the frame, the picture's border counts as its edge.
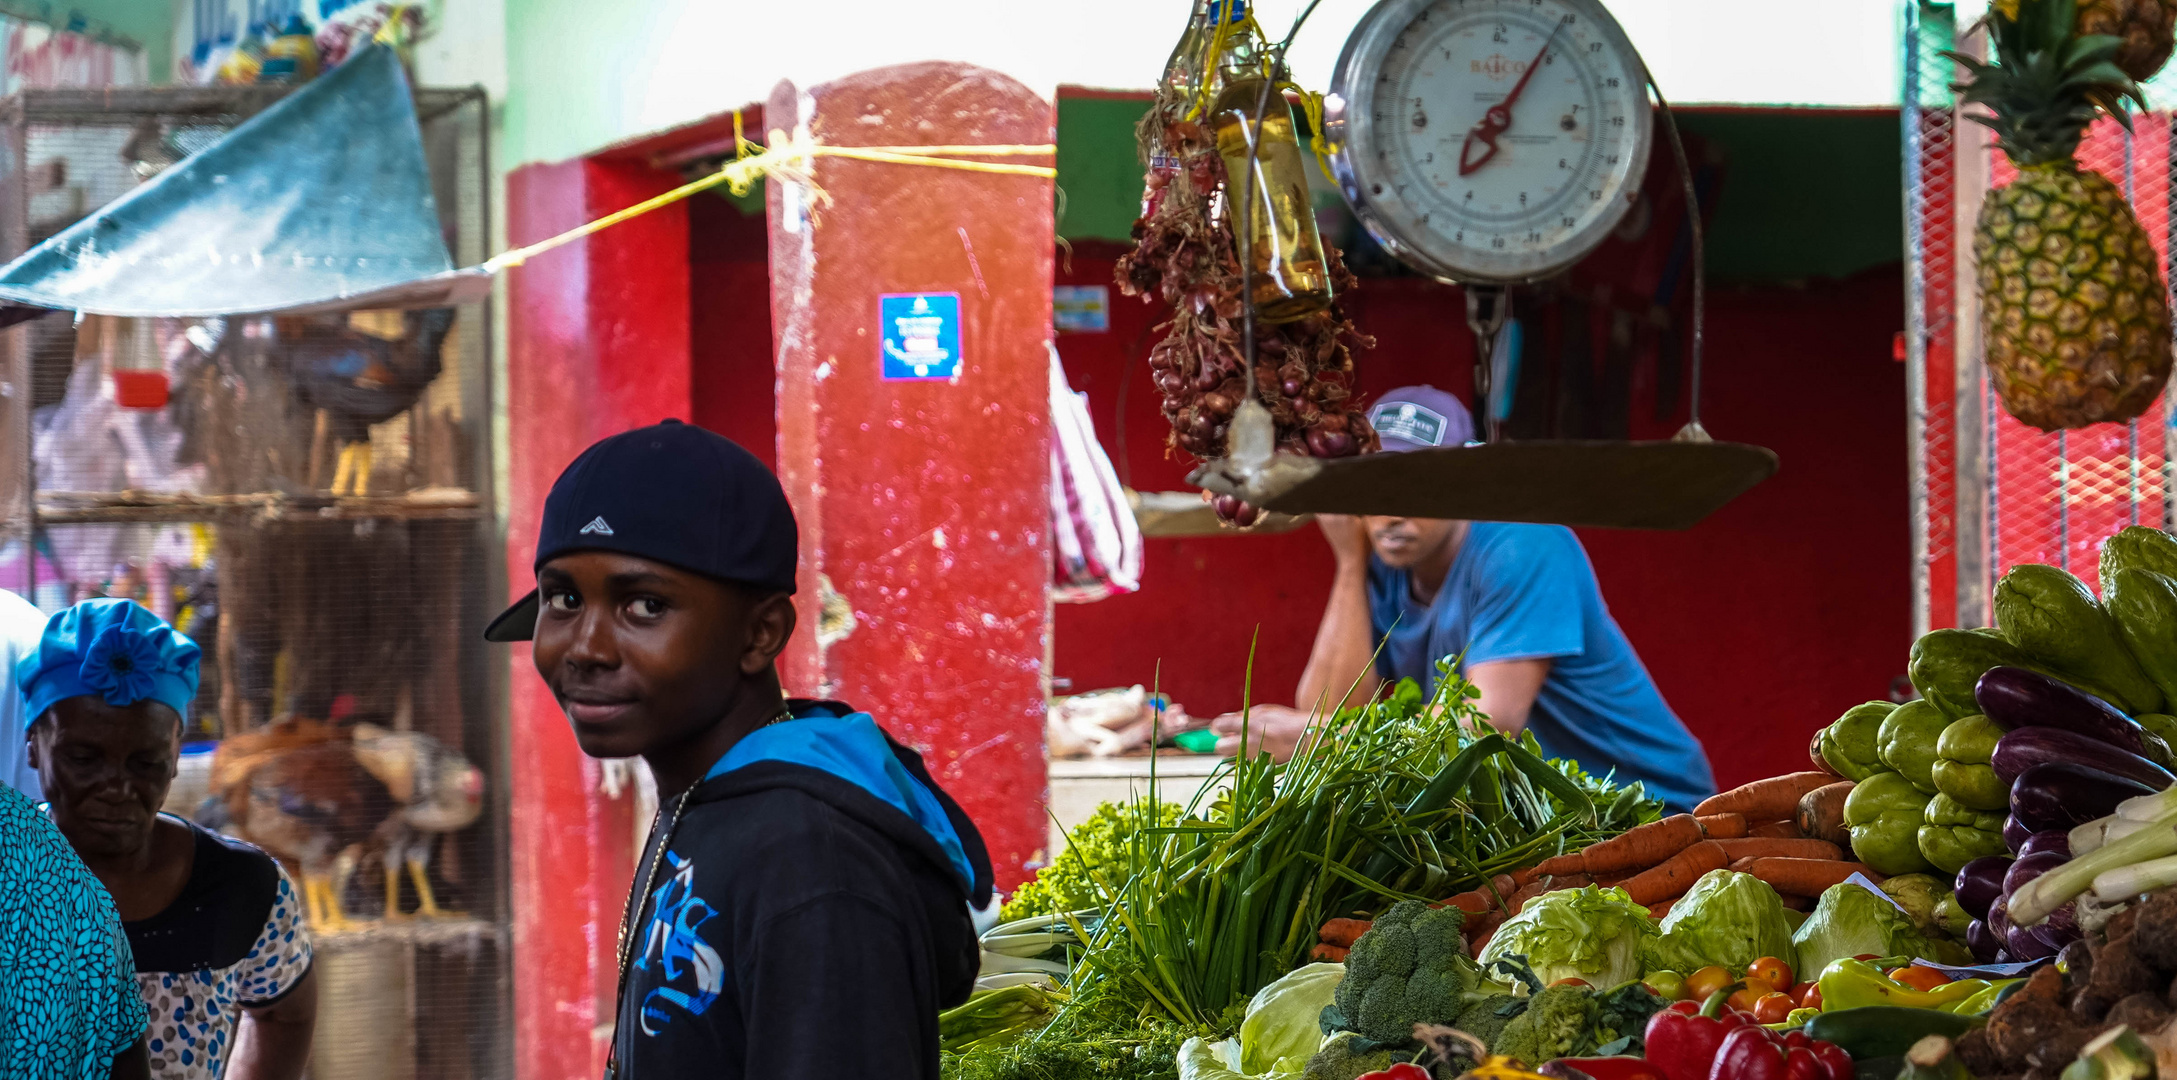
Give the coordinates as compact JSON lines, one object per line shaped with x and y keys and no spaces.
{"x":1796,"y":903}
{"x":1343,"y":932}
{"x":1569,"y":863}
{"x":1821,"y":813}
{"x":1804,"y":877}
{"x":1774,"y":830}
{"x":1678,"y":874}
{"x":1760,"y":847}
{"x":1329,"y":953}
{"x":1768,"y":799}
{"x":1519,"y":899}
{"x":1642,"y":845}
{"x":1526,"y":877}
{"x":1504,"y":884}
{"x":1615,"y":881}
{"x":1723,"y":826}
{"x":1473,"y":903}
{"x":1480,"y":941}
{"x":1657,"y":911}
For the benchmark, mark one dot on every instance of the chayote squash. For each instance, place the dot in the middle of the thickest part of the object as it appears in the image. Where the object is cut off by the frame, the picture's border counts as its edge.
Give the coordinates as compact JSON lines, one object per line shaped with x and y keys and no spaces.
{"x":1946,"y":663}
{"x":2144,"y":605}
{"x":2137,"y":547}
{"x":2052,"y":617}
{"x":1961,"y":764}
{"x":1885,"y":813}
{"x":1849,"y":745}
{"x":1907,"y":739}
{"x":1952,"y":835}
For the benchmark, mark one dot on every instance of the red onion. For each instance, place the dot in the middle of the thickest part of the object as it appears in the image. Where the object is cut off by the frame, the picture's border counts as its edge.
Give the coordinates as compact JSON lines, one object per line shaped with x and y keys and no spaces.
{"x":1324,"y":443}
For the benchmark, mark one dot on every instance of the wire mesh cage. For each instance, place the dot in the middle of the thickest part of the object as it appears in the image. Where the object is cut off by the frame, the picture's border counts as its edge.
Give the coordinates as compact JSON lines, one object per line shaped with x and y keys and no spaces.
{"x":308,"y":498}
{"x":1990,"y":492}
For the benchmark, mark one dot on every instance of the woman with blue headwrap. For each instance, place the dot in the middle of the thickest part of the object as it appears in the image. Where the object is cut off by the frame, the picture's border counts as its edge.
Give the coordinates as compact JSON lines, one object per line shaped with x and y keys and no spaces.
{"x":223,"y":959}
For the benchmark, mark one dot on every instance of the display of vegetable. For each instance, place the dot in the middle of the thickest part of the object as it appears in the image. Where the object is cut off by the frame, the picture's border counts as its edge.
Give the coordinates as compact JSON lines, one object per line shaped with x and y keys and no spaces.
{"x":1852,"y":921}
{"x":1594,"y":934}
{"x":1980,"y":882}
{"x":2052,"y":616}
{"x":1410,"y":968}
{"x":1727,"y":919}
{"x":1884,"y":813}
{"x":1821,"y":813}
{"x":1854,"y":984}
{"x":1713,"y":1042}
{"x":1348,"y":1056}
{"x":1848,"y":744}
{"x":1962,"y":769}
{"x":1954,"y":834}
{"x":1880,"y":1031}
{"x":994,"y":1017}
{"x":1279,"y":1033}
{"x":1920,"y":895}
{"x":2026,"y":747}
{"x":2139,"y":547}
{"x":1945,"y":665}
{"x":1906,"y":742}
{"x":2064,"y":794}
{"x":1099,"y":850}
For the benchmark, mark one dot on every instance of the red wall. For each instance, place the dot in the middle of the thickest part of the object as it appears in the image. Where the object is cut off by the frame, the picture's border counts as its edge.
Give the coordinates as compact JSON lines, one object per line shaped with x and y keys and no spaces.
{"x":732,"y":379}
{"x":1759,"y":625}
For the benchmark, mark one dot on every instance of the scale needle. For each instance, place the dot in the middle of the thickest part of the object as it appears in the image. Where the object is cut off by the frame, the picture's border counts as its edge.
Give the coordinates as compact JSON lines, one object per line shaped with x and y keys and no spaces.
{"x":1498,"y":119}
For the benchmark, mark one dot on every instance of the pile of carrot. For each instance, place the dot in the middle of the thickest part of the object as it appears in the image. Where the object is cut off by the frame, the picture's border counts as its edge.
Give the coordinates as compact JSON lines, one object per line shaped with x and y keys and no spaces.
{"x":1778,"y":829}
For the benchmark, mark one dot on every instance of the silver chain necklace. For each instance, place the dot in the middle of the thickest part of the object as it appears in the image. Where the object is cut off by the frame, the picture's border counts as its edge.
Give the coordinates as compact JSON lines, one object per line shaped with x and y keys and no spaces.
{"x":634,"y":904}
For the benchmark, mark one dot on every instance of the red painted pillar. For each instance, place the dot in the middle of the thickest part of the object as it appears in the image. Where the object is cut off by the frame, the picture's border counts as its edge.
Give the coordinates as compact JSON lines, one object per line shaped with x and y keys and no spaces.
{"x":922,"y":502}
{"x":597,"y":338}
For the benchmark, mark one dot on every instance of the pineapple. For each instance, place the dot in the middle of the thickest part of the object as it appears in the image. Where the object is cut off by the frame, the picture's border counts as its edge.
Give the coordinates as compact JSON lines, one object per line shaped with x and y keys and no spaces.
{"x":2145,"y":26}
{"x":2075,"y":318}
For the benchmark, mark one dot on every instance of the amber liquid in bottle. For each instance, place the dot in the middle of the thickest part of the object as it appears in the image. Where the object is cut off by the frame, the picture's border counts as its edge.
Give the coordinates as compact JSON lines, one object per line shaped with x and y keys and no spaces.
{"x":1291,"y":280}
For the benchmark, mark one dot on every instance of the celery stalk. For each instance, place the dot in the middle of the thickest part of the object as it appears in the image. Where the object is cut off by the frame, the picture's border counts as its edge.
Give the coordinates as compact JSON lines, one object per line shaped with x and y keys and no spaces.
{"x":2100,"y":831}
{"x":2153,"y":807}
{"x":2037,"y":898}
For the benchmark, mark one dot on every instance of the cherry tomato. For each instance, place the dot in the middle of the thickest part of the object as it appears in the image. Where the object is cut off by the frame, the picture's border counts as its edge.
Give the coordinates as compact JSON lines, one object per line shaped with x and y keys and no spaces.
{"x":1917,"y":977}
{"x":1743,"y":999}
{"x":1807,"y":995}
{"x":1684,"y":1007}
{"x":1668,"y":985}
{"x":1706,"y":981}
{"x":1772,"y":1008}
{"x":1771,"y":970}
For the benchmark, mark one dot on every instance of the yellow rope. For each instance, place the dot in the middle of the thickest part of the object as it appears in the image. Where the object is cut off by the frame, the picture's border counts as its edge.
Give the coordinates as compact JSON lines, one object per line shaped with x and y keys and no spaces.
{"x":790,"y":156}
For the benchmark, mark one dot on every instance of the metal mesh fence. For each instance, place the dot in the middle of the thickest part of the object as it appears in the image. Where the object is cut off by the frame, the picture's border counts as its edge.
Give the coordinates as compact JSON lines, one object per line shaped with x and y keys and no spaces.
{"x":308,"y":499}
{"x":1990,"y":492}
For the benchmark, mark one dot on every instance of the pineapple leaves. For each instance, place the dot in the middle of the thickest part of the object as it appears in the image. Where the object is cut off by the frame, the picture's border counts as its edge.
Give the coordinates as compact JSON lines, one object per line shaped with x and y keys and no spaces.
{"x":2047,"y":81}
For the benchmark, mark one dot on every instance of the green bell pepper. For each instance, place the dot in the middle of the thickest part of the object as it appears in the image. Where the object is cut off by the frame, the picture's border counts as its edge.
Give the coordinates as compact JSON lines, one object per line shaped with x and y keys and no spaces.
{"x":1980,"y":1003}
{"x":1961,"y":764}
{"x":1955,"y":834}
{"x":1848,"y":745}
{"x":1884,"y":814}
{"x":1906,"y":741}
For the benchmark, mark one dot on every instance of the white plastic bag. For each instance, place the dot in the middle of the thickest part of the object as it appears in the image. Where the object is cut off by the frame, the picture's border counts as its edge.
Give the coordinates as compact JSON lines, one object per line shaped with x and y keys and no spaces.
{"x":1095,"y":543}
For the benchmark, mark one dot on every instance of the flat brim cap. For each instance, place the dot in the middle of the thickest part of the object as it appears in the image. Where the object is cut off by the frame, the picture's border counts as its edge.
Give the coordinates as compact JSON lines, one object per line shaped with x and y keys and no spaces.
{"x":672,"y":493}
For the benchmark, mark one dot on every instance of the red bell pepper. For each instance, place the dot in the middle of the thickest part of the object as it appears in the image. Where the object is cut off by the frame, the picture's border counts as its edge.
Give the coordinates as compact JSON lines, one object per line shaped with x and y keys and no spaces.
{"x":1683,"y":1042}
{"x":1757,"y":1053}
{"x":1404,"y":1070}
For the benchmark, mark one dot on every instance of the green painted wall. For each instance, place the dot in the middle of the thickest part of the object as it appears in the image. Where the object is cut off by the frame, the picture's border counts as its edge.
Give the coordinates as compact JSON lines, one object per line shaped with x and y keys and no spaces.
{"x":1807,"y":193}
{"x":149,"y":22}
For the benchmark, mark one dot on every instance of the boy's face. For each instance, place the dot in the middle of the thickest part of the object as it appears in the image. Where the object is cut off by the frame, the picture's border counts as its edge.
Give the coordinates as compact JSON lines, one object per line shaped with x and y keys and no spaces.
{"x":643,"y":656}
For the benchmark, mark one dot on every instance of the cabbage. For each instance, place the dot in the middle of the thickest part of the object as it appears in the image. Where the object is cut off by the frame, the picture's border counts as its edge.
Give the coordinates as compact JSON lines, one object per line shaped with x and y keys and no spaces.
{"x":1727,"y":919}
{"x":1281,"y":1031}
{"x":1594,"y":934}
{"x":1852,"y":920}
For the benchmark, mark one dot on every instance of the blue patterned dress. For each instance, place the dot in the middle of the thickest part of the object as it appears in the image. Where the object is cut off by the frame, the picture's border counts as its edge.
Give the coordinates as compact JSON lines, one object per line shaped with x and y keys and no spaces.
{"x":67,"y":1001}
{"x":233,"y":939}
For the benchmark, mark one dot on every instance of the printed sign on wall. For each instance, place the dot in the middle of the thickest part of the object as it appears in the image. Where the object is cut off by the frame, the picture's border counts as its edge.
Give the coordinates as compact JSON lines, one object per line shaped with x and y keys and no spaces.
{"x":1081,"y":309}
{"x":920,"y":334}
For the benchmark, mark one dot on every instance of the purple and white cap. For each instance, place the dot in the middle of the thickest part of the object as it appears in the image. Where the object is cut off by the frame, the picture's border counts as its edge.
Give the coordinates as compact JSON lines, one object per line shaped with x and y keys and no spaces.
{"x":1419,"y":418}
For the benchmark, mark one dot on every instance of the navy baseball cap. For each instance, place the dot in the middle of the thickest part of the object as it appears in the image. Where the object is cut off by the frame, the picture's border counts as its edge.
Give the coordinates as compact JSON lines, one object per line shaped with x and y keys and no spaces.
{"x":671,"y":492}
{"x":1420,"y":417}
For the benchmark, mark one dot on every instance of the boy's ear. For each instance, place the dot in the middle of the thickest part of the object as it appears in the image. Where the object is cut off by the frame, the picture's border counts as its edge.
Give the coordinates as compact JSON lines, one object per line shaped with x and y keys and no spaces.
{"x":771,"y":624}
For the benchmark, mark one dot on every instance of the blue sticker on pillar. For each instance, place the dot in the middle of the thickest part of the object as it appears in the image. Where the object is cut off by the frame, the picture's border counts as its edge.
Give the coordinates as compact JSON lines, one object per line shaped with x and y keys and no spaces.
{"x":920,"y":334}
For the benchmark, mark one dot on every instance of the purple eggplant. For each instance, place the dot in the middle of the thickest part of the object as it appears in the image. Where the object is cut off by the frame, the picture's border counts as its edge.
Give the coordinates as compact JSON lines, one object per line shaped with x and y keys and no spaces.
{"x":2056,"y":840}
{"x":1979,"y":883}
{"x":2026,"y":747}
{"x":2029,"y":867}
{"x":2015,"y":833}
{"x":2060,"y":795}
{"x":2061,"y":928}
{"x":2015,"y":698}
{"x":1982,"y":940}
{"x":2017,"y":940}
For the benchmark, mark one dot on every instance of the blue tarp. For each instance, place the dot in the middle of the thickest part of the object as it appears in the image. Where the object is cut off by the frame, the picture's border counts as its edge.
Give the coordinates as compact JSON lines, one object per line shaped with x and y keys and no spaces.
{"x":321,"y":202}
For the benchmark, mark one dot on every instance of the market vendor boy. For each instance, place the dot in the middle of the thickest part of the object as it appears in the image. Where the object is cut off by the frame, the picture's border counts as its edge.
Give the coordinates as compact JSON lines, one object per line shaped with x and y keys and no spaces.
{"x":223,"y":960}
{"x":801,"y":908}
{"x":1518,"y":602}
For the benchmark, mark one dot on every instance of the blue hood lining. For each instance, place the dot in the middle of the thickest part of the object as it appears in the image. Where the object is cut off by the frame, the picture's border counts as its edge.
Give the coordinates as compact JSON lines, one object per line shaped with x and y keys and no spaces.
{"x":853,"y":748}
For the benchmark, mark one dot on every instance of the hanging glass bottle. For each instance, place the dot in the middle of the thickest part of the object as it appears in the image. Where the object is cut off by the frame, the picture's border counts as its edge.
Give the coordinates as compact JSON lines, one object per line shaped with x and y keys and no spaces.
{"x":1262,"y":159}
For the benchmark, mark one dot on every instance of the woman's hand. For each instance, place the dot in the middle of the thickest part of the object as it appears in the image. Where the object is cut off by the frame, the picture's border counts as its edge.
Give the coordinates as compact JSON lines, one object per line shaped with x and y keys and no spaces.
{"x":1272,"y":729}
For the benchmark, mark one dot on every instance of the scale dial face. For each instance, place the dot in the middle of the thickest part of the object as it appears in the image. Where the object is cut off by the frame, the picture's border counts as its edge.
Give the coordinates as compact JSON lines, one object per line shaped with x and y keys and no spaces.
{"x":1489,"y":141}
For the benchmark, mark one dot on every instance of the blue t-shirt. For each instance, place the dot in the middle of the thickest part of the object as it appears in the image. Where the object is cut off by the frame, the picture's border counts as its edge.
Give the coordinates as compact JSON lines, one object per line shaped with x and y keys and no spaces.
{"x":1525,"y":592}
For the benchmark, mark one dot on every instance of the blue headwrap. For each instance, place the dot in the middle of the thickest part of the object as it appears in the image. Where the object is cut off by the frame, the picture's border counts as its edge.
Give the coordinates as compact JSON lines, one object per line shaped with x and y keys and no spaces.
{"x":112,"y":649}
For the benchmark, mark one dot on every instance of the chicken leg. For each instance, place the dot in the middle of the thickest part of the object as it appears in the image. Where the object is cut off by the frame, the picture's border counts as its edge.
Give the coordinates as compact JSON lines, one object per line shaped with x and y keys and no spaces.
{"x":353,"y":475}
{"x":427,"y":905}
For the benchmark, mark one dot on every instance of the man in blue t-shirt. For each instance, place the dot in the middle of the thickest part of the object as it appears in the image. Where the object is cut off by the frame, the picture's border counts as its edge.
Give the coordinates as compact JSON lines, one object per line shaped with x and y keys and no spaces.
{"x":1517,"y":606}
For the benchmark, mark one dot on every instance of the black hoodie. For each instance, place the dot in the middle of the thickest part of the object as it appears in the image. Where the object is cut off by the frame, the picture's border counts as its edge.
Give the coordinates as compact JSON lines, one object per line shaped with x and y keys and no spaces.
{"x":809,"y":927}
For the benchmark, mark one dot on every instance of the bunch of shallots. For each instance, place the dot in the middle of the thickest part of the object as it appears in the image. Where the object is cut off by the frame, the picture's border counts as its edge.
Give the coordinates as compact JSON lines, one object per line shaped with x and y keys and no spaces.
{"x":1184,"y":255}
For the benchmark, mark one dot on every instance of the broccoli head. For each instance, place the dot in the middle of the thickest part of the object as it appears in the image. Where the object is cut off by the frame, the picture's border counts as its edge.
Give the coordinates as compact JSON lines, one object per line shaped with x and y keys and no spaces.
{"x":1410,"y":968}
{"x":1485,"y":1019}
{"x":1558,"y":1021}
{"x":1346,"y":1056}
